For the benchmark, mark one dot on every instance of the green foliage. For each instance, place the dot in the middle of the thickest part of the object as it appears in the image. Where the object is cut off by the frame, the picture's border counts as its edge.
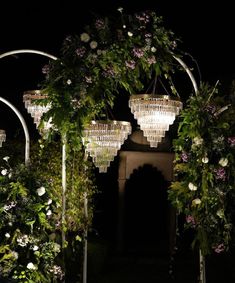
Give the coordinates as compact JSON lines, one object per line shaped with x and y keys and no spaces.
{"x":204,"y":168}
{"x":112,"y":55}
{"x":31,"y":213}
{"x":27,"y":254}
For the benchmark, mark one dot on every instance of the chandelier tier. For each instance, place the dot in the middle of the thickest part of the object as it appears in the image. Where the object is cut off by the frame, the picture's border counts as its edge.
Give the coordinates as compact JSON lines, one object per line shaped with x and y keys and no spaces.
{"x":154,"y":114}
{"x":37,"y":110}
{"x":2,"y":137}
{"x":102,"y":140}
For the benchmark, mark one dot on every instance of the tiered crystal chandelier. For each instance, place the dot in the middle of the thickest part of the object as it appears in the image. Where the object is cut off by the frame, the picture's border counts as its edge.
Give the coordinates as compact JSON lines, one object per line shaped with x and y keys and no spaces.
{"x":2,"y":137}
{"x":154,"y":114}
{"x":102,"y":140}
{"x":36,"y":110}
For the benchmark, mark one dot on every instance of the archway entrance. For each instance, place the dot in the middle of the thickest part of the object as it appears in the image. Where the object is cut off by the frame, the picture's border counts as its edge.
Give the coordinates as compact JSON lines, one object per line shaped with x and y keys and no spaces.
{"x":145,"y":212}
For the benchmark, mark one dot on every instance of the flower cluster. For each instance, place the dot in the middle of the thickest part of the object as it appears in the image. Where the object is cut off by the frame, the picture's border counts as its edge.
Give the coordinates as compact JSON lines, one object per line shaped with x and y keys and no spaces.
{"x":205,"y":169}
{"x":27,"y":251}
{"x":110,"y":56}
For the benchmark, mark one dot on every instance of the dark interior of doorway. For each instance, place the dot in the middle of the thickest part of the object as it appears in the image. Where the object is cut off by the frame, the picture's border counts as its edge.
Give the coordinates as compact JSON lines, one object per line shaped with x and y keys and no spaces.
{"x":146,"y":212}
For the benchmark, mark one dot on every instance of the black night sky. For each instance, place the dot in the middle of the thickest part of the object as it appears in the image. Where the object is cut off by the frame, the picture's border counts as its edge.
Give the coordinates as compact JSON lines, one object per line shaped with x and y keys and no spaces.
{"x":207,"y":33}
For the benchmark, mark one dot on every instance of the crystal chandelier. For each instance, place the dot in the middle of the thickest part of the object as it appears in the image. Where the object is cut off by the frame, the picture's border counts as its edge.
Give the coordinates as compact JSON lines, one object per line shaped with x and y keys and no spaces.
{"x":36,"y":110}
{"x":102,"y":140}
{"x":2,"y":137}
{"x":154,"y":114}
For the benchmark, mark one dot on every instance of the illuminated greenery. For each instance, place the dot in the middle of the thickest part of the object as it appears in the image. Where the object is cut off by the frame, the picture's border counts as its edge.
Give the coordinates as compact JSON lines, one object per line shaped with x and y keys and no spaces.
{"x":204,"y":168}
{"x":112,"y":56}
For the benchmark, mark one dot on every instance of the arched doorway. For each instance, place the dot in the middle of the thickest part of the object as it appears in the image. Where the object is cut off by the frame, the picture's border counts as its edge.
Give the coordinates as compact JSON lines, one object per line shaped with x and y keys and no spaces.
{"x":145,"y":212}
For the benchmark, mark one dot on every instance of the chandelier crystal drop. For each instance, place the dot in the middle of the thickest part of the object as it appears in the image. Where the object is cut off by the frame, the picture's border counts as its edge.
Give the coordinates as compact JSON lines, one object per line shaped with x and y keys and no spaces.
{"x":2,"y":137}
{"x":36,"y":110}
{"x":102,"y":140}
{"x":154,"y":114}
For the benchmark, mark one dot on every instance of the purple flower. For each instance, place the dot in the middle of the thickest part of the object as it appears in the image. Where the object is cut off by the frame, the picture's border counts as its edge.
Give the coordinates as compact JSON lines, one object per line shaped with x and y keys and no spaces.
{"x":109,"y":72}
{"x":148,"y":35}
{"x":130,"y":64}
{"x":151,"y":60}
{"x":80,"y":51}
{"x":220,"y":174}
{"x":210,"y":108}
{"x":99,"y":24}
{"x":184,"y":157}
{"x":143,"y":17}
{"x":220,"y":248}
{"x":231,"y":141}
{"x":45,"y":69}
{"x":138,"y":52}
{"x":190,"y":220}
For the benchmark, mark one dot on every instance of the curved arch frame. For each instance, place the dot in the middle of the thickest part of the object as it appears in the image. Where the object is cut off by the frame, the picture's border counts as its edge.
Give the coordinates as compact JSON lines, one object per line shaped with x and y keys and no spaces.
{"x":26,"y":132}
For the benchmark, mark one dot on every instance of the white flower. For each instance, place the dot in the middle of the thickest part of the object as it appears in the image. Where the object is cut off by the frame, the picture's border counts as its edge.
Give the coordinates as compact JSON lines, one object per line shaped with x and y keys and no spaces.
{"x":10,"y":175}
{"x":124,"y":26}
{"x":153,"y":49}
{"x":49,"y":201}
{"x":197,"y":140}
{"x":196,"y":201}
{"x":4,"y":172}
{"x":49,"y":212}
{"x":30,"y":265}
{"x":205,"y":160}
{"x":6,"y":158}
{"x":93,"y":44}
{"x":130,"y":34}
{"x":7,"y":235}
{"x":120,"y":9}
{"x":15,"y":254}
{"x":192,"y":187}
{"x":35,"y":247}
{"x":69,"y":82}
{"x":223,"y":162}
{"x":41,"y":191}
{"x":85,"y":37}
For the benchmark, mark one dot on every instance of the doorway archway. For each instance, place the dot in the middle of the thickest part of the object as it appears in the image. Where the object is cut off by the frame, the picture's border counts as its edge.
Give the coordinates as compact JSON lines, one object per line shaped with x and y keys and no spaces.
{"x":145,"y":211}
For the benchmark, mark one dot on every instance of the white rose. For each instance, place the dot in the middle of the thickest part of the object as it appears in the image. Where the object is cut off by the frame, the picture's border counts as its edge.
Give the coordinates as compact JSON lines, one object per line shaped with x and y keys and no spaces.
{"x":6,"y":158}
{"x":192,"y":187}
{"x":30,"y":265}
{"x":4,"y":172}
{"x":153,"y":49}
{"x":49,"y":212}
{"x":35,"y":247}
{"x":69,"y":82}
{"x":41,"y":191}
{"x":205,"y":160}
{"x":49,"y":201}
{"x":196,"y":201}
{"x":93,"y":44}
{"x":223,"y":162}
{"x":7,"y":235}
{"x":130,"y":34}
{"x":85,"y":37}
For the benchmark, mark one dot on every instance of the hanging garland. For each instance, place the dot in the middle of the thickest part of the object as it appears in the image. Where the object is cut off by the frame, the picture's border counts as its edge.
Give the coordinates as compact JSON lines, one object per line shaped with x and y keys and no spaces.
{"x":204,"y":169}
{"x":110,"y":56}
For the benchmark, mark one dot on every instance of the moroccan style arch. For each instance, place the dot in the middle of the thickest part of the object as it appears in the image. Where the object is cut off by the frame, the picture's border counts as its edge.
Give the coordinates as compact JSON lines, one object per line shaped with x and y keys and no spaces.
{"x":128,"y":162}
